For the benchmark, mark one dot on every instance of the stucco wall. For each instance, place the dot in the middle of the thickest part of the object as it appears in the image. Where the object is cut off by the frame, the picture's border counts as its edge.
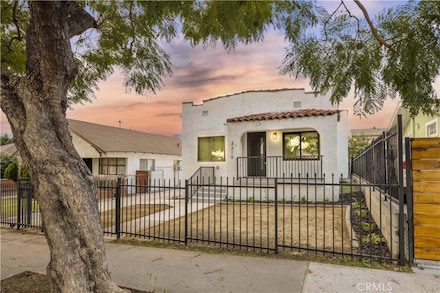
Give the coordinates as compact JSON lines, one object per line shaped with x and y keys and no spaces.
{"x":333,"y":142}
{"x":209,"y":119}
{"x":296,"y":192}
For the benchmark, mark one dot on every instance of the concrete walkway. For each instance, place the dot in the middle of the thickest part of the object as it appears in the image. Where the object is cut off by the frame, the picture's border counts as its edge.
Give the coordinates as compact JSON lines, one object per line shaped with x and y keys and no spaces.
{"x":180,"y":271}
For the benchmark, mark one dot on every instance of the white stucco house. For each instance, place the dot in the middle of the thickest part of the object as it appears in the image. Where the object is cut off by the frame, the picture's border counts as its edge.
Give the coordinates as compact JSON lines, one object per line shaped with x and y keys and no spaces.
{"x":116,"y":152}
{"x":287,"y":134}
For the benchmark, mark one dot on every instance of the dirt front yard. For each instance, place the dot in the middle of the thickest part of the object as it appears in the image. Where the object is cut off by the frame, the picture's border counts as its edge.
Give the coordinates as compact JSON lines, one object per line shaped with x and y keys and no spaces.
{"x":321,"y":227}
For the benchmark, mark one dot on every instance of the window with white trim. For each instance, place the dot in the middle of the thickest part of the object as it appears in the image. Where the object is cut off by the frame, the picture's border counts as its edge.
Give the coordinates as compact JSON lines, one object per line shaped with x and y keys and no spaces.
{"x":431,"y":128}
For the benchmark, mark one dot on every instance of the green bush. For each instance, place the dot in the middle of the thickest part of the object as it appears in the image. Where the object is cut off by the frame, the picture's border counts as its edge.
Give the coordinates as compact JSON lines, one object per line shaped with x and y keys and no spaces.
{"x":14,"y":171}
{"x":5,"y":160}
{"x":11,"y":171}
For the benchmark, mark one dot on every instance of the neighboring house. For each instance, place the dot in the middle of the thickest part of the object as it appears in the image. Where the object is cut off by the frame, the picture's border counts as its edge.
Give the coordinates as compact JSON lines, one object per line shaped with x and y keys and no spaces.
{"x":369,"y":133}
{"x":286,"y":133}
{"x":418,"y":126}
{"x":10,"y":149}
{"x":112,"y":151}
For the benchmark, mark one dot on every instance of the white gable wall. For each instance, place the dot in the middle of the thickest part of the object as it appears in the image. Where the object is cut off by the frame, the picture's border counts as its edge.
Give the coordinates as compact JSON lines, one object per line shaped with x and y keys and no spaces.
{"x":84,"y":148}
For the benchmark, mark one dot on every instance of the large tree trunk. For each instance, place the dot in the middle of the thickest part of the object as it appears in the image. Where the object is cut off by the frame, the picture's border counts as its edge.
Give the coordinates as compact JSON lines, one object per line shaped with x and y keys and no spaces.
{"x":35,"y":105}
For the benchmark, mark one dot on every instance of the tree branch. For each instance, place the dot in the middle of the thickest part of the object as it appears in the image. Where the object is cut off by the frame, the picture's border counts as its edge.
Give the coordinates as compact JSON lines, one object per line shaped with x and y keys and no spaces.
{"x":328,"y":19}
{"x":373,"y":29}
{"x":17,"y":25}
{"x":10,"y":101}
{"x":352,"y":16}
{"x":79,"y":19}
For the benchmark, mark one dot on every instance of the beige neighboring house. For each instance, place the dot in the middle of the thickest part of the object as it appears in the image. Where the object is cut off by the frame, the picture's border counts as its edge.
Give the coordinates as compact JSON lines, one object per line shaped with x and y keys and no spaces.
{"x":369,"y":133}
{"x":10,"y":149}
{"x":114,"y":152}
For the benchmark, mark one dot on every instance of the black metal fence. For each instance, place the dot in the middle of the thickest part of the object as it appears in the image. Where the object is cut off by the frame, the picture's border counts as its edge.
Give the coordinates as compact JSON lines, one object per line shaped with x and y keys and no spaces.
{"x":379,"y":162}
{"x":18,"y":207}
{"x":319,"y":215}
{"x":382,"y":164}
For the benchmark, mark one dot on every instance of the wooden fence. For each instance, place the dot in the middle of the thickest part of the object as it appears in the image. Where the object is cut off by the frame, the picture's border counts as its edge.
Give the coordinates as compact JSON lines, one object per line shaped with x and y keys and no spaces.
{"x":425,"y":154}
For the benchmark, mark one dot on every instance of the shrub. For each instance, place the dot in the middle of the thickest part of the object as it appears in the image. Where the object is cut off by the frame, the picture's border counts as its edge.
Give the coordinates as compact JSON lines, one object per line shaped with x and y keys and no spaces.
{"x":11,"y":171}
{"x":14,"y":171}
{"x":5,"y":160}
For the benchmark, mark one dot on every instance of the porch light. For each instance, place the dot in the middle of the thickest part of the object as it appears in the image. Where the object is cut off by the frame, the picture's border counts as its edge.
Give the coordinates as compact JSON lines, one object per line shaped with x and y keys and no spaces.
{"x":275,"y":136}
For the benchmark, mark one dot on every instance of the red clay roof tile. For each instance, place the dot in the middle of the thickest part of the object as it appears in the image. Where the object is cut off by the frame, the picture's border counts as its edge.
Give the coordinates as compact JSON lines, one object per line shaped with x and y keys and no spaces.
{"x":284,"y":115}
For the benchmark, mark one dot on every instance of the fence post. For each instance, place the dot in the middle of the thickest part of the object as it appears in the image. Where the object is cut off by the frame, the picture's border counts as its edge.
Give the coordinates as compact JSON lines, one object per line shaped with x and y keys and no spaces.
{"x":118,"y":209}
{"x":276,"y":216}
{"x":186,"y":210}
{"x":409,"y":200}
{"x":351,"y":165}
{"x":401,"y":192}
{"x":18,"y":204}
{"x":29,"y":203}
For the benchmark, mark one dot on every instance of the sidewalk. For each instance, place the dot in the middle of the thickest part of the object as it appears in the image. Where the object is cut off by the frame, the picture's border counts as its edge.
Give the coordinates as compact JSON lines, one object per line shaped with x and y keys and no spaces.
{"x":179,"y":271}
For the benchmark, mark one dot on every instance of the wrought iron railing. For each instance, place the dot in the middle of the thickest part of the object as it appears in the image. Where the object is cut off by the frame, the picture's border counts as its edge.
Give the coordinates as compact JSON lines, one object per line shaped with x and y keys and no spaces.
{"x":202,"y":175}
{"x":279,"y":167}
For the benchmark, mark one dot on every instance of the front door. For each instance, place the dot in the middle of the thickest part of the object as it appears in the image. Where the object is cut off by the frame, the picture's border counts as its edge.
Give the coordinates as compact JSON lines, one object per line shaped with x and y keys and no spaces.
{"x":256,"y":151}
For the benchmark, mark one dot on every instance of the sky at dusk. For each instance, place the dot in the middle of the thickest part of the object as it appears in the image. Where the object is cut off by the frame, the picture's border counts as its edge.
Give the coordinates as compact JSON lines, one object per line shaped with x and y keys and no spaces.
{"x":204,"y":73}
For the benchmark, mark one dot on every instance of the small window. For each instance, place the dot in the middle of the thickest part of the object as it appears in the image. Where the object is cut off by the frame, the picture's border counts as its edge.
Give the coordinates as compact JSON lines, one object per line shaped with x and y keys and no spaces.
{"x":211,"y":149}
{"x":146,"y":164}
{"x":432,"y":129}
{"x":112,"y":166}
{"x":205,"y":113}
{"x":177,"y":165}
{"x":301,"y":145}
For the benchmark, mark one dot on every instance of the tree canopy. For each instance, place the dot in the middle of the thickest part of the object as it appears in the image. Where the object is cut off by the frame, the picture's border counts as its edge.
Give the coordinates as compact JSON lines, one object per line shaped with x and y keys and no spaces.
{"x":127,"y":35}
{"x":396,"y":52}
{"x":357,"y":144}
{"x":5,"y":139}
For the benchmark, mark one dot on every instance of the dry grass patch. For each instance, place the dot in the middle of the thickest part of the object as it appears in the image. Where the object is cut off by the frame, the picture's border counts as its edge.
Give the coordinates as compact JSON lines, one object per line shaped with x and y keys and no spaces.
{"x":253,"y":224}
